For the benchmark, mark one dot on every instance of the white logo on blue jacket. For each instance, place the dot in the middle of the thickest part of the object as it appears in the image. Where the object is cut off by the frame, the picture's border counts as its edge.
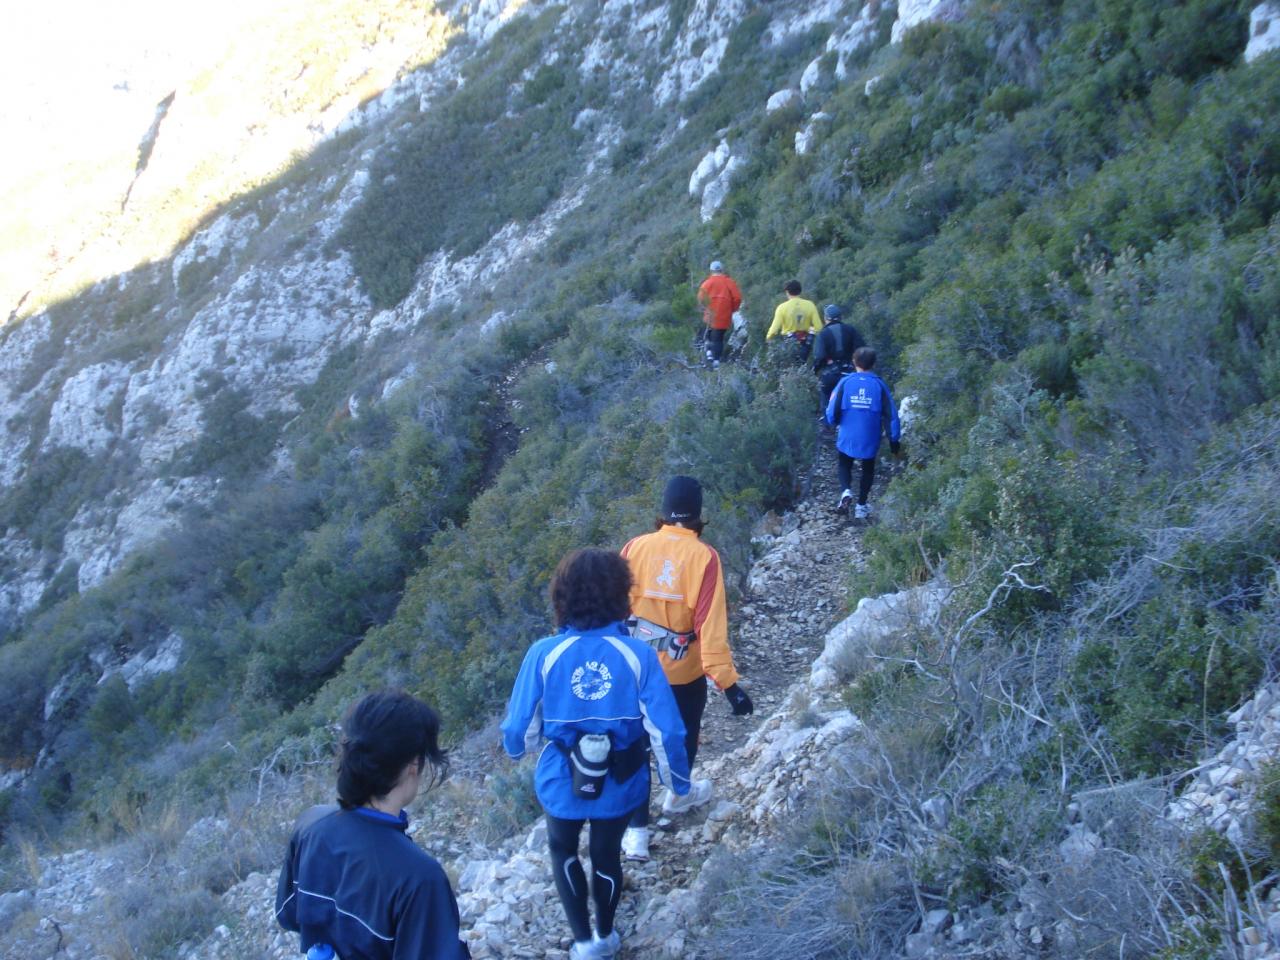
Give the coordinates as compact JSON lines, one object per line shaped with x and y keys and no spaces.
{"x":591,"y":681}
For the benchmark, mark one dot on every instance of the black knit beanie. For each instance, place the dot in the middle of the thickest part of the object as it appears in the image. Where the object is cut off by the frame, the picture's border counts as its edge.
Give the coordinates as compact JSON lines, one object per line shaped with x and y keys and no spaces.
{"x":682,"y":500}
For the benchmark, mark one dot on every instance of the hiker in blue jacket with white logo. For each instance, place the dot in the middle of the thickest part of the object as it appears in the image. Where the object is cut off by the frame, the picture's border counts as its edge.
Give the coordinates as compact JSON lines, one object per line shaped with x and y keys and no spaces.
{"x":353,"y":882}
{"x":600,"y":699}
{"x":862,"y":410}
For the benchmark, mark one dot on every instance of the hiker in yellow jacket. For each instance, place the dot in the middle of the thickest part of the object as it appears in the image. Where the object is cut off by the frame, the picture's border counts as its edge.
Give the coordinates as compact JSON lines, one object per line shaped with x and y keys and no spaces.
{"x":796,"y":319}
{"x":678,"y":594}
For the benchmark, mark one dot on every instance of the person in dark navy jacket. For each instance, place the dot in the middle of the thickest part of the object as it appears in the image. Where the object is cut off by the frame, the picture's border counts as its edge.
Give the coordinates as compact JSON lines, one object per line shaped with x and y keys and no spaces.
{"x":352,"y":878}
{"x":861,"y":408}
{"x":602,"y":702}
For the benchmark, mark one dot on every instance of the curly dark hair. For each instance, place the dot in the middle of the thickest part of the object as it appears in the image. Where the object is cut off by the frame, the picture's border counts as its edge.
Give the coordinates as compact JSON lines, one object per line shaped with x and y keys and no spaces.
{"x":591,"y":588}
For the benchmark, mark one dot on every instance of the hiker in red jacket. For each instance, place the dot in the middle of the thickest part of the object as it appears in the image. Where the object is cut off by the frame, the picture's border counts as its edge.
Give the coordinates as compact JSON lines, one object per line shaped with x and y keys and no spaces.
{"x":719,"y":297}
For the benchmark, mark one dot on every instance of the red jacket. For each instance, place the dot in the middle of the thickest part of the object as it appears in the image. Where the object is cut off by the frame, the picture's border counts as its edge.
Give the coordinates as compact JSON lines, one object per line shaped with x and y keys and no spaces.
{"x":719,"y":296}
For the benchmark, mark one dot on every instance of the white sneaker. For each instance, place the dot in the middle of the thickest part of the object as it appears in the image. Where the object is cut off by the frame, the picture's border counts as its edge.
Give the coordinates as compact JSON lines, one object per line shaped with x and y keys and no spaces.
{"x":611,"y":944}
{"x":585,"y":950}
{"x":862,"y":511}
{"x":699,"y":793}
{"x":845,"y":499}
{"x":635,"y":843}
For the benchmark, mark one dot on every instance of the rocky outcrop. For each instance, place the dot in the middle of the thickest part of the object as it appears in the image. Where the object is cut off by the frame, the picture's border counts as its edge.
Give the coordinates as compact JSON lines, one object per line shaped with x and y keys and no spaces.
{"x":912,"y":13}
{"x":712,"y":179}
{"x":706,"y":29}
{"x":807,"y":138}
{"x":1264,"y":30}
{"x":1223,"y":796}
{"x":875,"y":620}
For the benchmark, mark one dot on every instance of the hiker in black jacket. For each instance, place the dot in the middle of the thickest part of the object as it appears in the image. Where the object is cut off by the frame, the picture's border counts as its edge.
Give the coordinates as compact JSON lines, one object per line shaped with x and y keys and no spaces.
{"x":353,"y":879}
{"x":833,"y":350}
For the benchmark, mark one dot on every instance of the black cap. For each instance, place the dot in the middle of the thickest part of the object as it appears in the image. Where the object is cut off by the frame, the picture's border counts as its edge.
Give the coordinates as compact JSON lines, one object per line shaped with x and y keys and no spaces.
{"x":682,"y":500}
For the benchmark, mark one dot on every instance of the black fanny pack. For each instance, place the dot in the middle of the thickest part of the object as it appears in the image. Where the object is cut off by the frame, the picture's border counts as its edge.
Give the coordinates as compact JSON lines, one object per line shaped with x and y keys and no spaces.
{"x":592,"y":758}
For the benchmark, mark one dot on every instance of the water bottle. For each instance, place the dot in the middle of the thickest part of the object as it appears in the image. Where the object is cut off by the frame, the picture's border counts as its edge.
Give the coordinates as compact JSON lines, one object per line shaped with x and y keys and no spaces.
{"x":320,"y":951}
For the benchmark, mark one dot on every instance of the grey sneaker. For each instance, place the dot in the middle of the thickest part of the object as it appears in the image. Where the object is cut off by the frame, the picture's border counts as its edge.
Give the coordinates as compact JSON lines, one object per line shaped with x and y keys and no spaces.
{"x":699,"y":793}
{"x":635,"y":843}
{"x":609,"y":945}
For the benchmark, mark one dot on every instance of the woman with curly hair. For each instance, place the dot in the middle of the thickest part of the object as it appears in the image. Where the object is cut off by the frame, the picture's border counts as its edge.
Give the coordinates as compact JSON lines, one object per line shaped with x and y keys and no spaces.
{"x":600,"y":699}
{"x":352,"y":880}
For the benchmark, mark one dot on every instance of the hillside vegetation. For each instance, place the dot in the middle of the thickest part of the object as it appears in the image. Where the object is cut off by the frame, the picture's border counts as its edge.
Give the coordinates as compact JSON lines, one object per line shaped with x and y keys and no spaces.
{"x":1057,"y":222}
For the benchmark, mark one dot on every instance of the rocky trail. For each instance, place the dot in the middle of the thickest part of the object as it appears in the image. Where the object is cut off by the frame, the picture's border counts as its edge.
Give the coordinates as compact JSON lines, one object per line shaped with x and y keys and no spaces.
{"x":759,"y":765}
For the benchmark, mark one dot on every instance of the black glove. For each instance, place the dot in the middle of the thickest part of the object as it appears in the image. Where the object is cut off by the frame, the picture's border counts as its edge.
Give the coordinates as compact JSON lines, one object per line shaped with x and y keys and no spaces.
{"x":739,"y":700}
{"x":895,"y":447}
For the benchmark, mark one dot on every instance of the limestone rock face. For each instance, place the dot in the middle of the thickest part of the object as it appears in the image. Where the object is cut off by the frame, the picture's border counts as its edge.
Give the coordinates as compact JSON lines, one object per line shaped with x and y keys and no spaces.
{"x":718,"y":189}
{"x":83,"y":414}
{"x":874,"y":621}
{"x":781,"y":100}
{"x":1264,"y":30}
{"x":912,"y":13}
{"x":806,"y":138}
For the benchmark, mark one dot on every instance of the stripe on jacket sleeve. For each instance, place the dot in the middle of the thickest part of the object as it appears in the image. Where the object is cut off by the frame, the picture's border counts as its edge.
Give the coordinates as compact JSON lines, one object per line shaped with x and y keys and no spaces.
{"x":659,"y":749}
{"x":533,"y":733}
{"x":556,"y":653}
{"x":707,"y":592}
{"x":629,"y":655}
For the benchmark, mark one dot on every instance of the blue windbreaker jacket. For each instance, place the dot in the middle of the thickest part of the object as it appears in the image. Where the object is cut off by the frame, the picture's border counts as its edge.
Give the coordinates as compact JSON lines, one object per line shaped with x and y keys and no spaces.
{"x":353,"y":880}
{"x":863,"y":410}
{"x":594,"y":681}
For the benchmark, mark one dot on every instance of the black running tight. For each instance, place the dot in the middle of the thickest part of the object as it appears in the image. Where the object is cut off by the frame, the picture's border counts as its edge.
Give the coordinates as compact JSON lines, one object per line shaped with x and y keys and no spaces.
{"x":691,"y":701}
{"x":844,"y":469}
{"x":604,"y":844}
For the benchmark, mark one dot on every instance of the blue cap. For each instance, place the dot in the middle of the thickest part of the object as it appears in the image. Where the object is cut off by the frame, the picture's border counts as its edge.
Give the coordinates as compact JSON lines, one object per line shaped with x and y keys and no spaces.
{"x":320,"y":951}
{"x":832,"y":312}
{"x":717,"y":266}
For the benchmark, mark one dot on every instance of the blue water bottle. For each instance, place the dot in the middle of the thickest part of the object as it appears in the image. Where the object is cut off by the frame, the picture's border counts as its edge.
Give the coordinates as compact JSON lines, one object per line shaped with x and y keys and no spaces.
{"x":320,"y":951}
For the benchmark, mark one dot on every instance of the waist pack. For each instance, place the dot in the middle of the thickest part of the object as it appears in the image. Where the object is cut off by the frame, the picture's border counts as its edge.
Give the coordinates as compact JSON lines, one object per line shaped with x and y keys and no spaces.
{"x":663,"y":639}
{"x":592,"y":758}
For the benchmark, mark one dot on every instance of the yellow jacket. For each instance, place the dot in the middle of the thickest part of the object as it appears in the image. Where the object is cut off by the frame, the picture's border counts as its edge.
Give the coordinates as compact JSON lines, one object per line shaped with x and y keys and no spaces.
{"x":679,"y":583}
{"x":794,"y":315}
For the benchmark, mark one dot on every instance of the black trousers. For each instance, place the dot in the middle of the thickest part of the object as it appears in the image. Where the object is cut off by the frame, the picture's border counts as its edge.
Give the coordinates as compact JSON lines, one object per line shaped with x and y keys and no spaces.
{"x":844,"y":470}
{"x":604,"y":844}
{"x":715,"y":343}
{"x":691,"y":701}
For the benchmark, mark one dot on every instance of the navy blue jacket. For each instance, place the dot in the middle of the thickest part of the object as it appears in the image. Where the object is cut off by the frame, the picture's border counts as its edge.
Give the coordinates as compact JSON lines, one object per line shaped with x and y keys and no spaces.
{"x":862,"y":411}
{"x":354,"y":880}
{"x":595,"y":681}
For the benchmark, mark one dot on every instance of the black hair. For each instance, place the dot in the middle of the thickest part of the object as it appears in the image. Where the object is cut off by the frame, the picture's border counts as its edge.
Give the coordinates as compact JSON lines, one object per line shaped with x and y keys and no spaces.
{"x":697,"y":526}
{"x":792,"y":287}
{"x":591,"y":588}
{"x":865,"y":358}
{"x":381,"y":735}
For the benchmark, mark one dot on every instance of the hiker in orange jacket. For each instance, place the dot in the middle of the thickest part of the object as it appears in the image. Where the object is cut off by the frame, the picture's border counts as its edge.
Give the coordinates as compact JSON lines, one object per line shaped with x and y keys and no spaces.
{"x":719,"y":297}
{"x":678,"y":592}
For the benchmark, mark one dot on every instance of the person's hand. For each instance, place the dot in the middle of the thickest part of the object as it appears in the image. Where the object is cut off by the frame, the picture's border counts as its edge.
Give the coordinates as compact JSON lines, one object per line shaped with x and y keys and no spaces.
{"x":896,"y":447}
{"x":738,"y":699}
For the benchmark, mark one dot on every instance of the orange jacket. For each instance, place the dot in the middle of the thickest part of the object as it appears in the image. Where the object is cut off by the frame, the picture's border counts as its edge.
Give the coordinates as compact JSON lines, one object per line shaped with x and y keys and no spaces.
{"x":719,"y":296}
{"x":679,"y":583}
